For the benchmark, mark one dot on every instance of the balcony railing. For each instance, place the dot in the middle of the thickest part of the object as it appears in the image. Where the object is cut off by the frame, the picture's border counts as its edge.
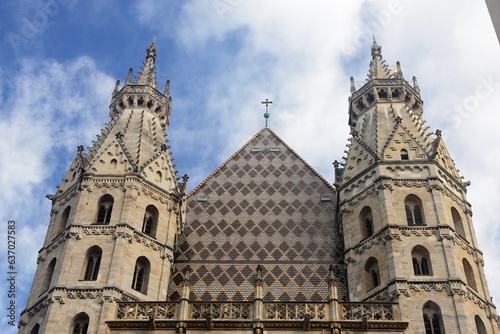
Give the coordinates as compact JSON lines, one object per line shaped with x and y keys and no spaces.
{"x":146,"y":311}
{"x":368,"y":311}
{"x":244,"y":311}
{"x":296,"y":311}
{"x":234,"y":311}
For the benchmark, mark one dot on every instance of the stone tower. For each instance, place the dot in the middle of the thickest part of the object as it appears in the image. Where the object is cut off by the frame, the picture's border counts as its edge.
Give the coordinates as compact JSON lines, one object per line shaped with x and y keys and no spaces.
{"x":407,"y":225}
{"x":115,"y":217}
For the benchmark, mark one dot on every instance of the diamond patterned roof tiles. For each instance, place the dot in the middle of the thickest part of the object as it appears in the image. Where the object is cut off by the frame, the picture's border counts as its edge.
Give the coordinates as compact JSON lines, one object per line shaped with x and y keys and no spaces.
{"x":263,"y":208}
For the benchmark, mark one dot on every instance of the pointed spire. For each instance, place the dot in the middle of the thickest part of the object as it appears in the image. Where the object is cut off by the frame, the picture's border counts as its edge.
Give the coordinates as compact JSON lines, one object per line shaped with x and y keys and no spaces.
{"x":129,"y":76}
{"x":378,"y":68}
{"x":167,"y":88}
{"x":415,"y":84}
{"x":353,"y":87}
{"x":399,"y":73}
{"x":147,"y":75}
{"x":117,"y":85}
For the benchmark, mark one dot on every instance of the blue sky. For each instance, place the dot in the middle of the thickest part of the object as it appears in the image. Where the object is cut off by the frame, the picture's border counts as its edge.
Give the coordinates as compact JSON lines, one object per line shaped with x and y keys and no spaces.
{"x":59,"y":60}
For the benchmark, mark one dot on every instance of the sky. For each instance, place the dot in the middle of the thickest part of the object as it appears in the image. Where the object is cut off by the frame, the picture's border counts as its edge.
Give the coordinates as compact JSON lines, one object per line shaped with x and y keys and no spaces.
{"x":59,"y":60}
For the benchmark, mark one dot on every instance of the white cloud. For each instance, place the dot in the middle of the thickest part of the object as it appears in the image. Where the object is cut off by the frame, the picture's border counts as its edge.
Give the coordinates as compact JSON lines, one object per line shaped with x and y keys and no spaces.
{"x":51,"y":108}
{"x":301,"y":56}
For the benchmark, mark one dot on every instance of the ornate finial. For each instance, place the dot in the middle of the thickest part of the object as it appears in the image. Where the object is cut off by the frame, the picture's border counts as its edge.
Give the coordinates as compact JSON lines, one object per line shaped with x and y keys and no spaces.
{"x":415,"y":84}
{"x":167,"y":88}
{"x":119,"y":136}
{"x":151,"y":51}
{"x":336,"y":164}
{"x":129,"y":76}
{"x":353,"y":88}
{"x":185,"y":178}
{"x":267,"y":103}
{"x":438,"y":133}
{"x":399,"y":119}
{"x":163,"y":147}
{"x":147,"y":75}
{"x":117,"y":85}
{"x":398,"y":68}
{"x":376,"y":49}
{"x":187,"y":273}
{"x":259,"y":272}
{"x":331,"y":269}
{"x":79,"y":149}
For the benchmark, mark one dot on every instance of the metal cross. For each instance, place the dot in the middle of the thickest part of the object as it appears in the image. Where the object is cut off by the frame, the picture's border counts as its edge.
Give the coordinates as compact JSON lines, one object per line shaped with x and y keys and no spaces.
{"x":267,"y":103}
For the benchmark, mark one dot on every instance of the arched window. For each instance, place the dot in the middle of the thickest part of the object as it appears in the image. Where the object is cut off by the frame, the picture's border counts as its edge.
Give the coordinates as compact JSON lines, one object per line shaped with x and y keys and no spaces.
{"x":404,"y":154}
{"x":150,"y":220}
{"x":421,"y":261}
{"x":35,"y":329}
{"x":372,"y":274}
{"x":481,"y":329}
{"x":47,"y":279}
{"x":469,"y":274}
{"x":113,"y":163}
{"x":366,"y":222}
{"x":433,"y":321}
{"x":61,"y":226}
{"x":457,"y":221}
{"x":105,"y":208}
{"x":158,"y":176}
{"x":80,"y":323}
{"x":413,"y":209}
{"x":141,"y":275}
{"x":93,"y":262}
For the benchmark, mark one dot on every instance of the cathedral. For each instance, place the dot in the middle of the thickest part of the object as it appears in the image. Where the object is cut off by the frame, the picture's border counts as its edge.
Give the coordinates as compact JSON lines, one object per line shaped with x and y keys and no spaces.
{"x":264,"y":244}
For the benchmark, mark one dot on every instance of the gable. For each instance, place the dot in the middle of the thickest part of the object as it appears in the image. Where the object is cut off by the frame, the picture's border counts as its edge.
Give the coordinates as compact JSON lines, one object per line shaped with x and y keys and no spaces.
{"x":443,"y":158}
{"x":359,"y":157}
{"x":399,"y":140}
{"x":261,"y":207}
{"x":73,"y":174}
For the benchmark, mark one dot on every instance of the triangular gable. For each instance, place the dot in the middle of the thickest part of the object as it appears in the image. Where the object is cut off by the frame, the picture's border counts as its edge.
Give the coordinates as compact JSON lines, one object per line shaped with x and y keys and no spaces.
{"x":359,"y":157}
{"x":160,"y":171}
{"x":111,"y":158}
{"x":400,"y":139}
{"x":246,"y":145}
{"x":263,"y":206}
{"x":443,"y":158}
{"x":73,"y":174}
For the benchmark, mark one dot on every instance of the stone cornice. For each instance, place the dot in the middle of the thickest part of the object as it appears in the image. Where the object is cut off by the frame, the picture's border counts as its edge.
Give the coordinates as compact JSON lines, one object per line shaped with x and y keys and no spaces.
{"x":126,"y":231}
{"x":130,"y":181}
{"x":62,"y":294}
{"x":386,"y":182}
{"x":445,"y":177}
{"x":396,"y":232}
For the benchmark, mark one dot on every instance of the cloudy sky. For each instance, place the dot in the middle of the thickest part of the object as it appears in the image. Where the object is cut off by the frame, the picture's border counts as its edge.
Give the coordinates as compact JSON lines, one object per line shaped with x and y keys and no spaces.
{"x":59,"y":60}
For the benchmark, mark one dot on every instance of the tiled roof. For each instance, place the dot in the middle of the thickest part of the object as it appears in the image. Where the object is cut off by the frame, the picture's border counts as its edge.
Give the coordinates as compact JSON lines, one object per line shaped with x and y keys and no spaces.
{"x":263,"y":207}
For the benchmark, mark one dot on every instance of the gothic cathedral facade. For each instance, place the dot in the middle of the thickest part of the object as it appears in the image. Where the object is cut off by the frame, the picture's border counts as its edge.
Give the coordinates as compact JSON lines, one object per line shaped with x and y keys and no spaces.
{"x":265,"y":244}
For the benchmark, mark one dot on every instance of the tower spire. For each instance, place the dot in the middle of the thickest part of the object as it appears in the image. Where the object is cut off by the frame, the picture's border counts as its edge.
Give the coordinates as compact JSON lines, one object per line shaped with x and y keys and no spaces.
{"x":378,"y":67}
{"x":147,"y":75}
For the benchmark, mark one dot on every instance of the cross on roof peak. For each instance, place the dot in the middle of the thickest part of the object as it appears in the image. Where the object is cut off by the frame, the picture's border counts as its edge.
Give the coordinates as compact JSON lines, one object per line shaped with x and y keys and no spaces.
{"x":267,"y":103}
